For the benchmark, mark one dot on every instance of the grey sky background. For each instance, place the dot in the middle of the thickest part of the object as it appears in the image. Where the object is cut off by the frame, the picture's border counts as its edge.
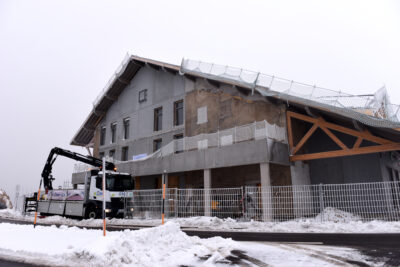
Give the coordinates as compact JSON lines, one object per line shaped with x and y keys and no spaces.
{"x":56,"y":56}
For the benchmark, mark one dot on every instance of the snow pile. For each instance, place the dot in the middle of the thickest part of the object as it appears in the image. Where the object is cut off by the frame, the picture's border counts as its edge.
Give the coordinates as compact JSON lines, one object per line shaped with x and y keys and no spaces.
{"x":5,"y":202}
{"x":335,"y":215}
{"x":329,"y":221}
{"x":162,"y":246}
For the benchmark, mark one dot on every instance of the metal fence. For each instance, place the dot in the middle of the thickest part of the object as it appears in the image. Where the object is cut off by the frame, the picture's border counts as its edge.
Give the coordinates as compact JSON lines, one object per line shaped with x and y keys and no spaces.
{"x":325,"y":202}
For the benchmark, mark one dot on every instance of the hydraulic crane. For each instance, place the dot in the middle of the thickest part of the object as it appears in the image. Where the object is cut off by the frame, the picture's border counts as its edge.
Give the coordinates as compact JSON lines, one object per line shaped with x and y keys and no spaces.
{"x":46,"y":173}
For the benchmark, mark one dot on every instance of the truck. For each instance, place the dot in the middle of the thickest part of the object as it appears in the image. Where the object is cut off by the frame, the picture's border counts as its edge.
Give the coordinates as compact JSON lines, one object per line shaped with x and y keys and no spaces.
{"x":86,"y":202}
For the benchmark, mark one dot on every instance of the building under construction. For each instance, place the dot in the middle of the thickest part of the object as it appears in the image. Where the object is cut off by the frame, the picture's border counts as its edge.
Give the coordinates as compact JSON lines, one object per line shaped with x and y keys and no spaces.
{"x":213,"y":126}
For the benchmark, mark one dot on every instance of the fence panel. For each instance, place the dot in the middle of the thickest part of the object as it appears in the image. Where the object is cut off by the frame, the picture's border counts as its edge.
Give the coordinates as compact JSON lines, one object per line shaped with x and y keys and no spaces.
{"x":362,"y":201}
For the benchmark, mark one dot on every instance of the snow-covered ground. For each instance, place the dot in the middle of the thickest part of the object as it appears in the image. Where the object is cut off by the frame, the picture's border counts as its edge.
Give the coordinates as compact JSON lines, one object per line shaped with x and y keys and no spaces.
{"x":164,"y":245}
{"x":339,"y":222}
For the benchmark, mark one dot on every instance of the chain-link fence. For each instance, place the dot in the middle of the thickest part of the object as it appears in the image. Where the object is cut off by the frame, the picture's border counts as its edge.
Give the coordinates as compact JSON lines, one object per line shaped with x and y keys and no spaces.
{"x":361,"y":201}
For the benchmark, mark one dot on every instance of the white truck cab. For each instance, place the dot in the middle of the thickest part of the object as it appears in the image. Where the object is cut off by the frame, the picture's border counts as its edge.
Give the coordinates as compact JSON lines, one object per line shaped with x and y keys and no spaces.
{"x":88,"y":202}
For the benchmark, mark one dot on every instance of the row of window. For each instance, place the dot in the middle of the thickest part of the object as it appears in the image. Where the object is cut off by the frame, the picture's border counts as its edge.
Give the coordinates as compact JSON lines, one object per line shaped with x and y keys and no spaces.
{"x":158,"y":112}
{"x":157,"y":144}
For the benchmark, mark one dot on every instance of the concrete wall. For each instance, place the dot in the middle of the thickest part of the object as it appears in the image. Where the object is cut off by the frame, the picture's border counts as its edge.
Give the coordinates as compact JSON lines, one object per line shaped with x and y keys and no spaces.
{"x":163,"y":89}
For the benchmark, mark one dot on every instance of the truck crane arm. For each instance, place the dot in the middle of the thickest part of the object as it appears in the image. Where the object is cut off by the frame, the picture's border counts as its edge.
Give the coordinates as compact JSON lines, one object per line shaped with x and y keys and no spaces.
{"x":46,"y":173}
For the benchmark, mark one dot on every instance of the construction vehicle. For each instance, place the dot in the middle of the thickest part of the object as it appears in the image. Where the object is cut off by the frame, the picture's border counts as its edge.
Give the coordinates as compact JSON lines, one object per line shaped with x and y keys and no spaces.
{"x":86,"y":202}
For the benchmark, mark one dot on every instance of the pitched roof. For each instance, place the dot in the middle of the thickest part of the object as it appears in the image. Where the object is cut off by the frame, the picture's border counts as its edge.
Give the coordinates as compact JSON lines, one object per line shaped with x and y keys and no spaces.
{"x":364,"y":109}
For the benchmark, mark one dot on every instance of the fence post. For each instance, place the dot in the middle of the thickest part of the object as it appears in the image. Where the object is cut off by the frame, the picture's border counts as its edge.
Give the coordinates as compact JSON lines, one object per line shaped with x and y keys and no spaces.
{"x":321,"y":199}
{"x":243,"y":200}
{"x":176,"y":201}
{"x":207,"y":195}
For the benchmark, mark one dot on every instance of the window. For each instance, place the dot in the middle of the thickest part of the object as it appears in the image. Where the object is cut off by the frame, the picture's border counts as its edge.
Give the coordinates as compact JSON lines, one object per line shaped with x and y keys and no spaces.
{"x":158,"y":119}
{"x":111,"y":153}
{"x":178,"y":113}
{"x":101,"y":155}
{"x":178,"y":143}
{"x":157,"y":144}
{"x":126,"y":128}
{"x":102,"y":136}
{"x":124,"y":153}
{"x":142,"y":95}
{"x":113,"y":132}
{"x":99,"y":182}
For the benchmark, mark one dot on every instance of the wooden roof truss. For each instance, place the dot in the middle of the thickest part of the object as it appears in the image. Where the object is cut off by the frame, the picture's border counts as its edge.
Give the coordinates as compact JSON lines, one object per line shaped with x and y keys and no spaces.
{"x":379,"y":144}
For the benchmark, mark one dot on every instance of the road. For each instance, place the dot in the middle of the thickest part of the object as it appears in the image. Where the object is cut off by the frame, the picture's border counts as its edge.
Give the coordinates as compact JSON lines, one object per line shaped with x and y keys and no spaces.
{"x":380,"y":247}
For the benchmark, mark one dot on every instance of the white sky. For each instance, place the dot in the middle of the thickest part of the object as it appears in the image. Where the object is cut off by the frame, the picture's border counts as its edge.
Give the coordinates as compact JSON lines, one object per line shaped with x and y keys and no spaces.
{"x":56,"y":56}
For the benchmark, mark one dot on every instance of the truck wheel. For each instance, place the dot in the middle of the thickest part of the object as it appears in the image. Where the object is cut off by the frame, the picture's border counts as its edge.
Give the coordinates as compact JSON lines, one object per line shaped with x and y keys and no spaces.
{"x":90,"y":213}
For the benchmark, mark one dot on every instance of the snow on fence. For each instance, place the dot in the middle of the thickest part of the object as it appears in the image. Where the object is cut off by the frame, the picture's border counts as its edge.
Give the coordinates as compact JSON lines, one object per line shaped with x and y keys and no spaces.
{"x":362,"y":201}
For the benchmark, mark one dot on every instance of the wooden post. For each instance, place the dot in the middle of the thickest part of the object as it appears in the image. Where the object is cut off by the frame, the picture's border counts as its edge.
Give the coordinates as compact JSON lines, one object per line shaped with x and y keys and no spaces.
{"x":163,"y":198}
{"x":37,"y":203}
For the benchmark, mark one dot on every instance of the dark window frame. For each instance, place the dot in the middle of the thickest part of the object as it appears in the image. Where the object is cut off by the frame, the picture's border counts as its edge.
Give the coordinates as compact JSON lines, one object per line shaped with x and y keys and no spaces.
{"x":143,"y":95}
{"x":177,"y":109}
{"x":177,"y":137}
{"x":157,"y":144}
{"x":125,"y":153}
{"x":158,"y":119}
{"x":126,"y":124}
{"x":103,"y":131}
{"x":113,"y":128}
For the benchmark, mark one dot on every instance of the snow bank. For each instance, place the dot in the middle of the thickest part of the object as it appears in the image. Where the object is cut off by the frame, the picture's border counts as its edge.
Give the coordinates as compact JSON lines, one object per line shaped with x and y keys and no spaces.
{"x":5,"y":201}
{"x":162,"y":246}
{"x":331,"y":220}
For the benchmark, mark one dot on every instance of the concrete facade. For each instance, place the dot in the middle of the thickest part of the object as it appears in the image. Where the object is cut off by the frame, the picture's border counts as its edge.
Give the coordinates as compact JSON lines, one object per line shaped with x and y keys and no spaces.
{"x":163,"y":89}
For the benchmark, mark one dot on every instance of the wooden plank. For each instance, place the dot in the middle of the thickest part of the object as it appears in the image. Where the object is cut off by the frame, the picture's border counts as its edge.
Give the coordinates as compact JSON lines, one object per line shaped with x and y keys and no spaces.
{"x":305,"y":138}
{"x":301,"y":117}
{"x":358,"y":142}
{"x":349,"y":152}
{"x":334,"y":138}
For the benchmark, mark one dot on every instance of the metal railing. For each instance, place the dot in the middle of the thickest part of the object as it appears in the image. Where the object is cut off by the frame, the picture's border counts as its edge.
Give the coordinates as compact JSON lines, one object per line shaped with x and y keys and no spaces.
{"x":253,"y":131}
{"x":325,"y":202}
{"x":376,"y":105}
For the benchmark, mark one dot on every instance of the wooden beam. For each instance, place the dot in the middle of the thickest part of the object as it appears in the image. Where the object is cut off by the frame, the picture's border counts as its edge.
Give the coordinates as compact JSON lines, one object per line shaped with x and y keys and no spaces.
{"x":349,"y":152}
{"x":289,"y":129}
{"x":305,"y":138}
{"x":366,"y":135}
{"x":334,"y":137}
{"x":358,"y":142}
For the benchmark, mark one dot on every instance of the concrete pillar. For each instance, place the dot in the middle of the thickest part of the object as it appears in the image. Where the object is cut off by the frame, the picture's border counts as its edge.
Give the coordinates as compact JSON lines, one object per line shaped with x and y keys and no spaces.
{"x":302,"y":195}
{"x":207,"y":195}
{"x":266,"y":194}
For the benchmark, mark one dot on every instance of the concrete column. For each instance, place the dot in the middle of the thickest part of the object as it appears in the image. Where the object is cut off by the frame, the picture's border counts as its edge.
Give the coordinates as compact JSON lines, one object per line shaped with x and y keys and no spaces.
{"x":266,"y":194}
{"x":207,"y":195}
{"x":302,"y":200}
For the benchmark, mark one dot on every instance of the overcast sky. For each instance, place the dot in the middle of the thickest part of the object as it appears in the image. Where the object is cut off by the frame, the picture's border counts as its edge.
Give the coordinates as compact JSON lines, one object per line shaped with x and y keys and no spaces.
{"x":56,"y":56}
